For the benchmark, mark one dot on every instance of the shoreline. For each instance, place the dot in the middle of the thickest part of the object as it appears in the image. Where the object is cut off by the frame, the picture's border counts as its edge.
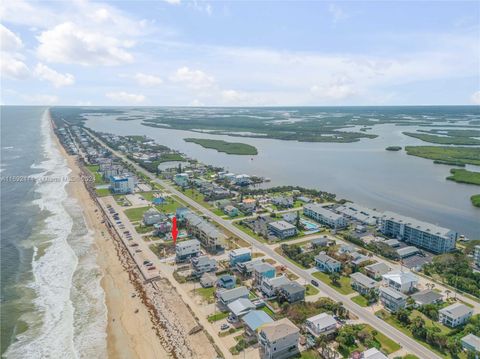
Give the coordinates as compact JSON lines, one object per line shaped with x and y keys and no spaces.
{"x":129,"y":334}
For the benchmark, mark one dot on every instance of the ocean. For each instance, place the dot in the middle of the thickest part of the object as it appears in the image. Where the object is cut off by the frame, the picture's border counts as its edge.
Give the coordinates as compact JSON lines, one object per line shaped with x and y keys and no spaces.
{"x":53,"y":305}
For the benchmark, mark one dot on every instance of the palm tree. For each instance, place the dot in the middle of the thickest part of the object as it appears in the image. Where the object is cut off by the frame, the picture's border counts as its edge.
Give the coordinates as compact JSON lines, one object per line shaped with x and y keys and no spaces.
{"x":334,"y":277}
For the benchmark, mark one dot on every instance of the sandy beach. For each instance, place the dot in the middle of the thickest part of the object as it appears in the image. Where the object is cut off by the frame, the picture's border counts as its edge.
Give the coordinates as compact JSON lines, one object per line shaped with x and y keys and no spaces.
{"x":129,"y":334}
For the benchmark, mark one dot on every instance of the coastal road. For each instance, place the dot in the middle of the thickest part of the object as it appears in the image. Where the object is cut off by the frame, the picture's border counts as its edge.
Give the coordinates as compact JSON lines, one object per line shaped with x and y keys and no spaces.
{"x":364,"y":315}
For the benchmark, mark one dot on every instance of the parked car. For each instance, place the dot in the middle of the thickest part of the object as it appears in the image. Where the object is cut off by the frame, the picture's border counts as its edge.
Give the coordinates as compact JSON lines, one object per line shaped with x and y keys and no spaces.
{"x":315,"y":283}
{"x":224,"y":326}
{"x":151,"y":268}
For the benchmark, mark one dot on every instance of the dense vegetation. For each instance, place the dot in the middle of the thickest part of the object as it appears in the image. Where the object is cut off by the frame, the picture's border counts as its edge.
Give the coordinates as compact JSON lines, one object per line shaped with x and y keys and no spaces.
{"x":231,"y":148}
{"x":454,"y":155}
{"x":455,"y":270}
{"x":475,"y":199}
{"x":444,"y":140}
{"x":464,"y":176}
{"x":282,"y":189}
{"x":299,"y":312}
{"x":297,"y":254}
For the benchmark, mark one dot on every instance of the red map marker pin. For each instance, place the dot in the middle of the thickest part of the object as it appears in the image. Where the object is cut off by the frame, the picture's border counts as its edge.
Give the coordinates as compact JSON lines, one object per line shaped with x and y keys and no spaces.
{"x":174,"y":230}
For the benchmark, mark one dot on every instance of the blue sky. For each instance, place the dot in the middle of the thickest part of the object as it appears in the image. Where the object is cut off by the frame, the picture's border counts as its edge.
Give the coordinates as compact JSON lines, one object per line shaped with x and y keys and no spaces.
{"x":240,"y":53}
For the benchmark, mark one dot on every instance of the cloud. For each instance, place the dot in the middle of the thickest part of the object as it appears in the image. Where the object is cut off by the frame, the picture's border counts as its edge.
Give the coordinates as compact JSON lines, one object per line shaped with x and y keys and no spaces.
{"x":197,"y":103}
{"x":476,"y":98}
{"x":339,"y":89}
{"x":337,"y":13}
{"x":195,"y":79}
{"x":70,"y":44}
{"x":173,"y":2}
{"x":13,"y":67}
{"x":125,"y":97}
{"x":57,"y":79}
{"x":8,"y":40}
{"x":202,"y":6}
{"x":147,"y":80}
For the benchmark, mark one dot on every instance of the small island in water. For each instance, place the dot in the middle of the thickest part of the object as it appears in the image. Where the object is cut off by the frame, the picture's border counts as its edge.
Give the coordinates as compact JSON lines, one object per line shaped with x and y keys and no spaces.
{"x":393,"y":148}
{"x":231,"y":148}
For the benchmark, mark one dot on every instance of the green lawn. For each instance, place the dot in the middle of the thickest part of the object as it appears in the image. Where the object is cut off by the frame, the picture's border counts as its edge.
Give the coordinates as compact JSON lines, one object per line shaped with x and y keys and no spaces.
{"x":342,"y":287}
{"x":143,"y":229}
{"x":475,"y":199}
{"x":135,"y":214}
{"x":170,"y":206}
{"x":311,"y":290}
{"x":197,"y":197}
{"x":93,"y":169}
{"x":268,"y":311}
{"x":206,"y":293}
{"x":102,"y":192}
{"x":360,"y":300}
{"x":218,"y":316}
{"x":250,"y":232}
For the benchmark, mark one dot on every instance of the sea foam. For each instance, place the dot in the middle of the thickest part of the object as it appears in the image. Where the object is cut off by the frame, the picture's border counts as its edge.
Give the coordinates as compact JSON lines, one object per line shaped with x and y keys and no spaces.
{"x":70,"y":321}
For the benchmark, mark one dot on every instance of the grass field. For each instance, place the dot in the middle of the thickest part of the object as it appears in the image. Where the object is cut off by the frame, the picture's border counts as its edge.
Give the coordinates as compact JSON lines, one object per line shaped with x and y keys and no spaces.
{"x":169,"y":207}
{"x":311,"y":290}
{"x":102,"y":192}
{"x":93,"y":169}
{"x":464,"y":176}
{"x":135,"y":214}
{"x":451,"y":155}
{"x":360,"y":300}
{"x":343,"y":286}
{"x":475,"y":199}
{"x":218,"y":316}
{"x":207,"y":294}
{"x":444,"y":140}
{"x":231,"y":148}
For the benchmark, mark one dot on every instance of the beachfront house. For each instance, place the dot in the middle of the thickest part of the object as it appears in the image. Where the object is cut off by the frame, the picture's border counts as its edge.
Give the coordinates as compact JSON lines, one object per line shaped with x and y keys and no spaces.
{"x":226,"y":281}
{"x":270,"y":286}
{"x":327,"y":264}
{"x":225,"y":297}
{"x":238,"y":308}
{"x":363,"y":284}
{"x":203,"y":264}
{"x":282,"y":229}
{"x":187,"y":249}
{"x":278,"y":340}
{"x":376,"y":270}
{"x":291,"y":292}
{"x":246,"y":268}
{"x":404,"y":282}
{"x":208,"y":280}
{"x":454,"y":315}
{"x":181,"y":179}
{"x":324,"y":216}
{"x":471,"y":344}
{"x":262,"y":271}
{"x":254,"y":320}
{"x":426,"y":297}
{"x":392,"y":299}
{"x":239,"y":255}
{"x":373,"y":353}
{"x":152,"y":216}
{"x":321,"y":324}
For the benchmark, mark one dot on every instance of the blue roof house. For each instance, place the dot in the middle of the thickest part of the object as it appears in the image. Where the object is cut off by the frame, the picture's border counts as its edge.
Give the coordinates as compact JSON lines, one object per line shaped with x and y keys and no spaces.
{"x":254,"y":320}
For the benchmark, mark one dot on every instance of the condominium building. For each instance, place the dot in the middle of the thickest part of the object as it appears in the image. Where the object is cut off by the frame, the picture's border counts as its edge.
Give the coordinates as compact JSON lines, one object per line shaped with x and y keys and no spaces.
{"x":211,"y":238}
{"x":324,"y":216}
{"x":282,"y":229}
{"x":425,"y":235}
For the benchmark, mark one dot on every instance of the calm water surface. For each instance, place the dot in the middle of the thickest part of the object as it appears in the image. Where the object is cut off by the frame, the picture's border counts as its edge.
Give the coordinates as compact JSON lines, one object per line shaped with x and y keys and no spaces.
{"x":363,"y":171}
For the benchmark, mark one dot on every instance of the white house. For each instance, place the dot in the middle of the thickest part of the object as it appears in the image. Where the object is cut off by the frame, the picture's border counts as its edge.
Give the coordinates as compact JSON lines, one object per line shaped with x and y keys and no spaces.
{"x":270,"y":286}
{"x":404,"y":282}
{"x":327,"y":264}
{"x":321,"y":324}
{"x":373,"y":353}
{"x":455,"y":315}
